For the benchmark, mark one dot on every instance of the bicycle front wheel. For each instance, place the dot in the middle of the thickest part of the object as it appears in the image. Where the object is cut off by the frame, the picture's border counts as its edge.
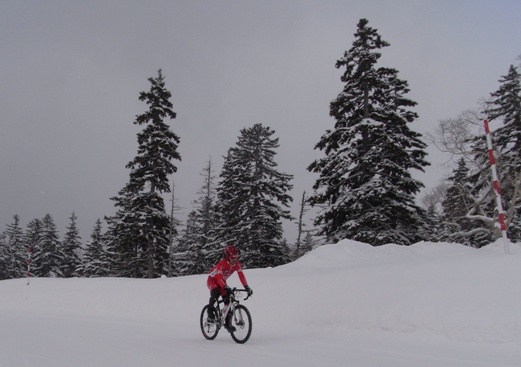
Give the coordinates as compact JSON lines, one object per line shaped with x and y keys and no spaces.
{"x":210,"y":329}
{"x":241,"y":321}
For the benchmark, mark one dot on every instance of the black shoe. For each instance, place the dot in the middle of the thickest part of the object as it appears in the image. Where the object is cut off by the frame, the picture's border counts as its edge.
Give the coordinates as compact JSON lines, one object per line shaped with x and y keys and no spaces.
{"x":230,"y":328}
{"x":211,"y":317}
{"x":228,"y":325}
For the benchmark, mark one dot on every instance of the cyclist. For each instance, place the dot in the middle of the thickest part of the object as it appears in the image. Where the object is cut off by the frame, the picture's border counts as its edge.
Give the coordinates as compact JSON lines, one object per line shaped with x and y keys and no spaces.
{"x":217,"y":282}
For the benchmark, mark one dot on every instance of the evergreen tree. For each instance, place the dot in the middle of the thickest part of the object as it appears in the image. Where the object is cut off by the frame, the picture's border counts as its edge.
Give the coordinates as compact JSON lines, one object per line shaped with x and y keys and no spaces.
{"x":187,"y":255}
{"x":464,"y":137}
{"x":506,"y":107}
{"x":94,"y":260}
{"x":206,"y":221}
{"x":251,"y":197}
{"x":365,"y":182}
{"x":157,"y":147}
{"x":5,"y":257}
{"x":505,"y":110}
{"x":33,"y":237}
{"x":206,"y":210}
{"x":48,"y":257}
{"x":18,"y":251}
{"x":72,"y":248}
{"x":198,"y":249}
{"x":433,"y":228}
{"x":307,"y":245}
{"x":173,"y":234}
{"x":125,"y":236}
{"x":231,"y":196}
{"x":483,"y":213}
{"x":458,"y":203}
{"x":108,"y":256}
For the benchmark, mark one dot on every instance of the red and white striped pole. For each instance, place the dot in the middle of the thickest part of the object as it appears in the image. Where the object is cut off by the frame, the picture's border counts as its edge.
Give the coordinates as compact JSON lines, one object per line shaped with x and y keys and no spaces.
{"x":496,"y":188}
{"x":29,"y":250}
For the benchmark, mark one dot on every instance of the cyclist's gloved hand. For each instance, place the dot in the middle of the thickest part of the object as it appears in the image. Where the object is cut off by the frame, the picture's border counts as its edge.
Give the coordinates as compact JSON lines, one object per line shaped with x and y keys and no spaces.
{"x":249,"y":290}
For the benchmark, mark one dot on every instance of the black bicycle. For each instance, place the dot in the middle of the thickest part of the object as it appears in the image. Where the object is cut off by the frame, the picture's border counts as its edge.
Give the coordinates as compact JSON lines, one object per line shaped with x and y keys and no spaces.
{"x":240,"y":325}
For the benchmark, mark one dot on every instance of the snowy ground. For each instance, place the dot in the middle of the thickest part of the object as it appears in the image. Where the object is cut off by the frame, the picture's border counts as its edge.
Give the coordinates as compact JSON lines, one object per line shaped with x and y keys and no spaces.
{"x":349,"y":304}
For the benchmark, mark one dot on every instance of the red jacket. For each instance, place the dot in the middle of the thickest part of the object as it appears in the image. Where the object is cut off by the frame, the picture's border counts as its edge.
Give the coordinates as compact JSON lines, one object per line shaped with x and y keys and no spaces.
{"x":221,"y":272}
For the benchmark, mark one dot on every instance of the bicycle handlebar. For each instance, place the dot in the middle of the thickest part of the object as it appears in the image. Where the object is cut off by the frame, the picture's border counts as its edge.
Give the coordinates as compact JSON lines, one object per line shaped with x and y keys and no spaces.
{"x":241,"y":290}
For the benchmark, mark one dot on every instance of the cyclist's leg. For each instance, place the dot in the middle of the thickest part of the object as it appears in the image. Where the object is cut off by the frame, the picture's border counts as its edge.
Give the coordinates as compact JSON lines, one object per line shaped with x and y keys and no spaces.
{"x":214,"y":296}
{"x":228,"y":324}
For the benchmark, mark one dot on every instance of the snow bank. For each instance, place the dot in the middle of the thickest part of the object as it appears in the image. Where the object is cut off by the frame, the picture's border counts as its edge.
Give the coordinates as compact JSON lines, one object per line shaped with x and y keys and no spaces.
{"x":426,"y":290}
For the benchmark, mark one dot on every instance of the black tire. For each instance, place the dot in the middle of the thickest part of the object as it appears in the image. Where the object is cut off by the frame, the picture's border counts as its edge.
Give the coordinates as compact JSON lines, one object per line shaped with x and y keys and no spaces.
{"x":241,"y":320}
{"x":209,"y":330}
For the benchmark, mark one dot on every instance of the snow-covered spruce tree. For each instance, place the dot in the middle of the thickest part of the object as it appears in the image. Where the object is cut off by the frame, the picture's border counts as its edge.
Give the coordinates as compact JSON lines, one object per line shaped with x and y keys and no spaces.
{"x":505,"y":107}
{"x":365,"y":184}
{"x":72,"y":248}
{"x":480,"y":199}
{"x":187,"y":250}
{"x":433,"y":227}
{"x":18,"y":250}
{"x":108,"y":256}
{"x":459,"y":201}
{"x":230,"y":198}
{"x":49,"y":256}
{"x":464,"y":137}
{"x":5,"y":257}
{"x":173,"y":232}
{"x":504,"y":112}
{"x":307,"y":245}
{"x":92,"y":263}
{"x":198,"y":249}
{"x":251,"y":197}
{"x":206,"y":220}
{"x":125,"y":237}
{"x":459,"y":136}
{"x":33,"y":238}
{"x":157,"y":148}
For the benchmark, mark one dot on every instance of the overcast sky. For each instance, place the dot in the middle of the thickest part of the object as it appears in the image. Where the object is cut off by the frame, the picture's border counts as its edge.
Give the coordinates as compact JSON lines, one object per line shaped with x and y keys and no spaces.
{"x":71,"y":73}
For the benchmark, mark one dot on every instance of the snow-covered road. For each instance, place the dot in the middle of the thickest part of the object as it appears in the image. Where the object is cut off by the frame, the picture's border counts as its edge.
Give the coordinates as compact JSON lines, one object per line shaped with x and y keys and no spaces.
{"x":428,"y":305}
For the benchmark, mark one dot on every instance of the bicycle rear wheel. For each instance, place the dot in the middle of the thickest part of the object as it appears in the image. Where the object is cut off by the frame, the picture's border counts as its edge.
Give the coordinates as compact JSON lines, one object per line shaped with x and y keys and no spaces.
{"x":209,"y":329}
{"x":241,"y":320}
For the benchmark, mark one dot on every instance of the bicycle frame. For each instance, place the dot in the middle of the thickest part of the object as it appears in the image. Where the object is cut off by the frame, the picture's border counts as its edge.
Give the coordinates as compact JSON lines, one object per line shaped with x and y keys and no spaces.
{"x":225,"y":310}
{"x":240,"y":323}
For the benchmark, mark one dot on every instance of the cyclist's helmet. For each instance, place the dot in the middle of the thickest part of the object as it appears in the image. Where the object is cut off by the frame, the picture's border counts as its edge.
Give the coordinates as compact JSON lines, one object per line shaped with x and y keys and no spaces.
{"x":231,"y":252}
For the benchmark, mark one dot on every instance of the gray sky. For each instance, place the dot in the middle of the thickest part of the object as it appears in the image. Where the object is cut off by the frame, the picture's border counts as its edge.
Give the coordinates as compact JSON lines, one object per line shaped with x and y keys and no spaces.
{"x":71,"y":73}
